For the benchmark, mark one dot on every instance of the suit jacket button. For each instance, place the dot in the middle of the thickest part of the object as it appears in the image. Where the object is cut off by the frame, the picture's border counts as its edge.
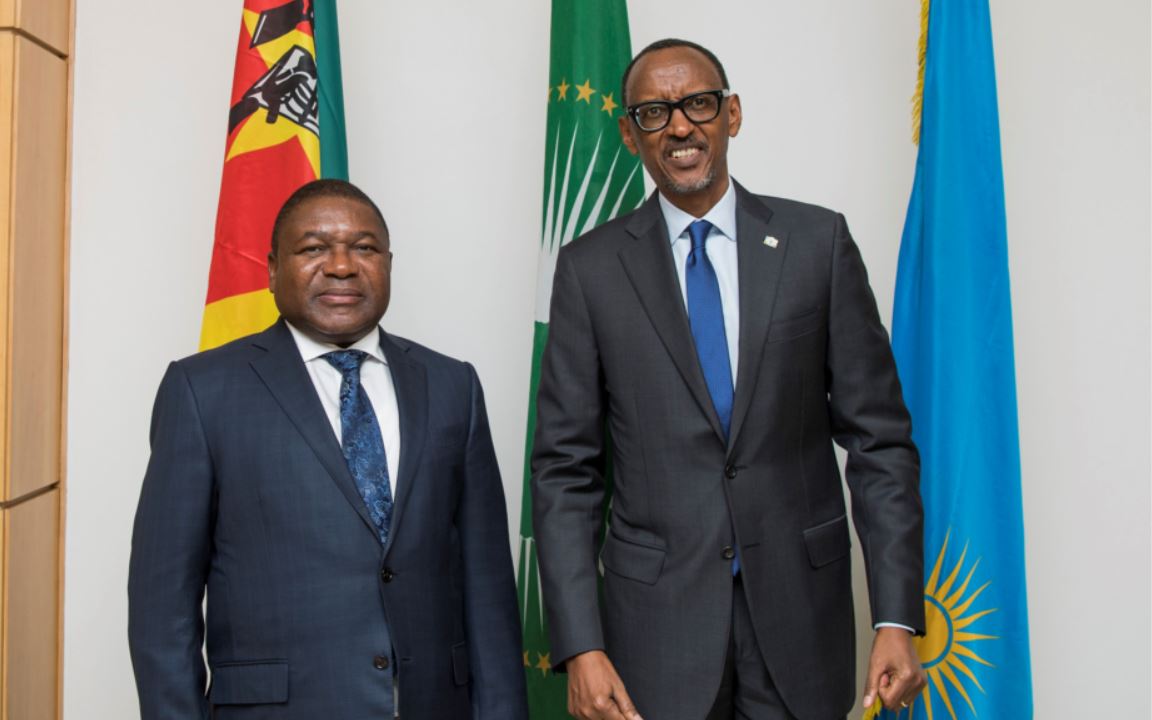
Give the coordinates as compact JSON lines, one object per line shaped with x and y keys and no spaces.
{"x":728,"y":553}
{"x":380,"y":662}
{"x":730,"y":472}
{"x":386,"y":575}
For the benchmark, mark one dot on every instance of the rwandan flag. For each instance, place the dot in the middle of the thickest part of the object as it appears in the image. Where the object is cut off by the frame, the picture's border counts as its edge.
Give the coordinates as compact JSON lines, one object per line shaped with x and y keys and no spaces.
{"x":952,"y":337}
{"x":287,"y":103}
{"x":589,"y":178}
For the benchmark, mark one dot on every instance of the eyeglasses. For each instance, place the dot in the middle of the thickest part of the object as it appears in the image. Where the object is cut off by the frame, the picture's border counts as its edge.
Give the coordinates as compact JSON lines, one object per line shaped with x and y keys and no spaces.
{"x":698,"y":107}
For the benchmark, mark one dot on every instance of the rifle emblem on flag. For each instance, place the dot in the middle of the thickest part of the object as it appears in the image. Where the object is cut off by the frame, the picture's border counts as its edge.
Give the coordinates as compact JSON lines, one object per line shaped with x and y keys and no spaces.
{"x":288,"y":89}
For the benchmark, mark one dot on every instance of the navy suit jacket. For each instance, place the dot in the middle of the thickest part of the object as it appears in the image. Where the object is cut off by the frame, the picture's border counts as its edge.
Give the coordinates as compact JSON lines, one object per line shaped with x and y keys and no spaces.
{"x":814,"y":367}
{"x":248,"y":496}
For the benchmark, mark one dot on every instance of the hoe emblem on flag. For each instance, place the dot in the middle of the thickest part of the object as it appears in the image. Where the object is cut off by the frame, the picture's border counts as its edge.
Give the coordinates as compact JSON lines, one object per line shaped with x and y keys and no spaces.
{"x":289,"y":87}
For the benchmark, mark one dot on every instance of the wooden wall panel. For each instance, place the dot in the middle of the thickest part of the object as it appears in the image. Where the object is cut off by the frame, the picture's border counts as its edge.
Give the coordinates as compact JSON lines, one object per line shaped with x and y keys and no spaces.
{"x":35,"y":45}
{"x":4,"y":606}
{"x":37,"y":268}
{"x":46,"y":20}
{"x":7,"y":146}
{"x":32,"y":604}
{"x":7,"y":100}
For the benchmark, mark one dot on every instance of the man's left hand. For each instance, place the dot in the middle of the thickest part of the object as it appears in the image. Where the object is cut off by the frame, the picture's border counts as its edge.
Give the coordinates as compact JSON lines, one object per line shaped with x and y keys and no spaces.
{"x":894,"y":671}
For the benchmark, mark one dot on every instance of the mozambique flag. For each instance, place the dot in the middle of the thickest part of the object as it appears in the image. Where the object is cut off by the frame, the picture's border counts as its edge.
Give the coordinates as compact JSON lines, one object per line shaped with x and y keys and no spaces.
{"x":287,"y":104}
{"x":952,"y":337}
{"x":589,"y":178}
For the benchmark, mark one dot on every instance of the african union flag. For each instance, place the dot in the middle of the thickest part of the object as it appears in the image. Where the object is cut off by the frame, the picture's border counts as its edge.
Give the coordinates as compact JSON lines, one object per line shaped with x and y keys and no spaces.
{"x":589,"y":178}
{"x":952,"y":337}
{"x":287,"y":104}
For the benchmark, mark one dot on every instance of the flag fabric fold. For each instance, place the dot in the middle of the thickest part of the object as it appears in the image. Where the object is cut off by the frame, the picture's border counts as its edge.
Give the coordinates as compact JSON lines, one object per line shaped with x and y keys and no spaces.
{"x":589,"y":178}
{"x":952,"y":337}
{"x":286,"y":105}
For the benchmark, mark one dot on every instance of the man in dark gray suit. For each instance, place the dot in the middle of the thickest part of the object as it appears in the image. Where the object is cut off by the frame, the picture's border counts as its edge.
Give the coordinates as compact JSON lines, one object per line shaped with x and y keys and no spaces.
{"x":723,"y":340}
{"x":335,"y":491}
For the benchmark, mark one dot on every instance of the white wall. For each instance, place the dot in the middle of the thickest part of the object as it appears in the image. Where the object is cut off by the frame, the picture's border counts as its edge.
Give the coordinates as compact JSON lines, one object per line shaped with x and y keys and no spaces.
{"x":446,"y":99}
{"x":1074,"y":98}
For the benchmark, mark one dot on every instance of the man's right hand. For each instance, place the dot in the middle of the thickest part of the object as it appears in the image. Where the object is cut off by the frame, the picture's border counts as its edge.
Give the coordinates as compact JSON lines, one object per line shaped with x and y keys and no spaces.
{"x":595,"y":691}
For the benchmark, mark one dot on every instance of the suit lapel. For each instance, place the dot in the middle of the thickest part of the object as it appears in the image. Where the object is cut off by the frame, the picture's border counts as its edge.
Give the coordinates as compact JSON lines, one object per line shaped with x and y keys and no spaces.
{"x":649,"y":266}
{"x":759,"y":262}
{"x":411,"y":383}
{"x":285,"y":376}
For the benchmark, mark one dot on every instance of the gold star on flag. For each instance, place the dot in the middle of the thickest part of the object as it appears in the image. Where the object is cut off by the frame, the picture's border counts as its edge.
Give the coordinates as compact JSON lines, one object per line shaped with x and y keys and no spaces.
{"x":545,"y":663}
{"x":609,"y":104}
{"x":585,"y":91}
{"x":562,"y":90}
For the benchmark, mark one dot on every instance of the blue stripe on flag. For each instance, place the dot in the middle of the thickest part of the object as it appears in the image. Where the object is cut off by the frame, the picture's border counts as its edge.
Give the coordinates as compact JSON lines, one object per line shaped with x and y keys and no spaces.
{"x":952,"y":337}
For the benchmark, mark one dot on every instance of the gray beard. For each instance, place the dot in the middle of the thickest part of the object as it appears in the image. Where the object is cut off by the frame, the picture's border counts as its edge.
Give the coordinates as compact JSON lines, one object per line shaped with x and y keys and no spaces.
{"x":687,"y":188}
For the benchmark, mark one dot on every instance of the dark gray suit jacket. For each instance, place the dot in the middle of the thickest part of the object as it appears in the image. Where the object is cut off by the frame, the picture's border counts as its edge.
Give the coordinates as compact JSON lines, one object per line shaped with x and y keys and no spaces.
{"x":814,"y":367}
{"x":247,"y":494}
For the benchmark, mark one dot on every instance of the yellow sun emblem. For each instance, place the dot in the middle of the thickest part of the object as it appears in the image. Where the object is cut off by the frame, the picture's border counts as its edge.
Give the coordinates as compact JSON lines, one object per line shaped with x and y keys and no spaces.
{"x":944,"y":650}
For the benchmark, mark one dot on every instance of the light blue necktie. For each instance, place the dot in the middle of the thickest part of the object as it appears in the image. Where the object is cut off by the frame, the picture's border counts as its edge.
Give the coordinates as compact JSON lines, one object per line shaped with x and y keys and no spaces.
{"x":706,"y":315}
{"x":362,"y":442}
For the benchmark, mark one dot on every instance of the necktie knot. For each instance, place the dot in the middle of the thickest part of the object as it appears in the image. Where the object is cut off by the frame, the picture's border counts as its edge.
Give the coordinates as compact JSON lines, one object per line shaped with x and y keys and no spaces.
{"x":698,"y":231}
{"x":346,"y":361}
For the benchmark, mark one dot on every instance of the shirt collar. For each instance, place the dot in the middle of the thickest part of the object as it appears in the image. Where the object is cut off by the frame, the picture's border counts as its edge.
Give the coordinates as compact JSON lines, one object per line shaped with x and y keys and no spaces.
{"x":722,"y":215}
{"x":311,"y":349}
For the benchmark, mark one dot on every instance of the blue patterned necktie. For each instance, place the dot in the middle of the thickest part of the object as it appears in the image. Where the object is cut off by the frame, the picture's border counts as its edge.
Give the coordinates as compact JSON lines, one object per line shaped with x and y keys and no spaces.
{"x":362,"y":442}
{"x":706,"y":315}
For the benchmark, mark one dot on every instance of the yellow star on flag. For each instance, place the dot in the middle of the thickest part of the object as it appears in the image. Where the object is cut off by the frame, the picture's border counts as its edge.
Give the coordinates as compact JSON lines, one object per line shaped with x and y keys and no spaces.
{"x":562,"y":90}
{"x":609,"y":103}
{"x":273,"y":50}
{"x":585,"y":91}
{"x":545,"y":663}
{"x":256,"y":133}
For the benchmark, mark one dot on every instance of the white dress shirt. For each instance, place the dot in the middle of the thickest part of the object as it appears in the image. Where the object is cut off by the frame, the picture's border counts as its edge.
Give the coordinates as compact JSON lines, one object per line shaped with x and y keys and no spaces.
{"x":721,"y":249}
{"x":374,"y":378}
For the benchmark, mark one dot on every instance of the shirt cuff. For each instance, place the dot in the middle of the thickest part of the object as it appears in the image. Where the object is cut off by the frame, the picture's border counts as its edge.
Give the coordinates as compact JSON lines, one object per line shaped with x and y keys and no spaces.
{"x":879,"y":625}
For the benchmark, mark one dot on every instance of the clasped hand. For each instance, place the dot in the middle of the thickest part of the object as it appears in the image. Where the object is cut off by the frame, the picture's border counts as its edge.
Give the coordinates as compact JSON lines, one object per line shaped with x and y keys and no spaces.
{"x":595,"y":691}
{"x":894,"y":672}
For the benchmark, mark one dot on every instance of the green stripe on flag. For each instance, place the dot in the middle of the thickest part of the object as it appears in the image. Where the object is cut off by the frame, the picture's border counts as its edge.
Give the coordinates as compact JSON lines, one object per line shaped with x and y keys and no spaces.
{"x":333,"y":145}
{"x":539,"y":338}
{"x":589,"y":178}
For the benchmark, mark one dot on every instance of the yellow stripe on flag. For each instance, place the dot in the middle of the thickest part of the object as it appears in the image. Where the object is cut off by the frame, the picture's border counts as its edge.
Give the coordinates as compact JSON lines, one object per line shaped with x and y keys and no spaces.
{"x":237,"y":316}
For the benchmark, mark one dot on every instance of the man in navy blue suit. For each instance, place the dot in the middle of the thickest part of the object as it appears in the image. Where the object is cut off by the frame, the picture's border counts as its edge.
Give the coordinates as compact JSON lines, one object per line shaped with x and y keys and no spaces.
{"x":334,"y":491}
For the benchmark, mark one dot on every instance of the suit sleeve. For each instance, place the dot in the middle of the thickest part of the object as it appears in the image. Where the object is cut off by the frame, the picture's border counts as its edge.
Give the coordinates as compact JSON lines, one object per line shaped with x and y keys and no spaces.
{"x":491,"y":617}
{"x":171,"y":545}
{"x":870,"y":421}
{"x":567,"y":470}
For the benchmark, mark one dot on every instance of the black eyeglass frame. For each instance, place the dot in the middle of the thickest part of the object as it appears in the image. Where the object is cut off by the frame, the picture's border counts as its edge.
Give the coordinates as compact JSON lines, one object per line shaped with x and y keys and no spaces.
{"x":634,"y":110}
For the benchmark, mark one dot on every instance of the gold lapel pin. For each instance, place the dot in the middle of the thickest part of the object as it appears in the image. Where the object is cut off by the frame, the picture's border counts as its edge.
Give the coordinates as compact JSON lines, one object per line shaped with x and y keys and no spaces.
{"x":771,"y":241}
